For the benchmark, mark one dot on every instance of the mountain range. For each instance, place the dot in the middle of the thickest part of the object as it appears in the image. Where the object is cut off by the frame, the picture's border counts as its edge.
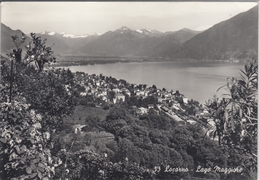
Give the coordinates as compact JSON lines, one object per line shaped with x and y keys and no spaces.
{"x":236,"y":37}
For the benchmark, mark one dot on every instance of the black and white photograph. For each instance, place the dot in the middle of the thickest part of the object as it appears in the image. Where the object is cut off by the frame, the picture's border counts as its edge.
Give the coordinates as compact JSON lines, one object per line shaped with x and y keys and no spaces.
{"x":129,"y":90}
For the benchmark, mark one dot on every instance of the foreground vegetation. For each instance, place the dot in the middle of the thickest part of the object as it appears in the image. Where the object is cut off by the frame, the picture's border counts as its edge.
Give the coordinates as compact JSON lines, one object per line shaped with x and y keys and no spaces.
{"x":40,"y":111}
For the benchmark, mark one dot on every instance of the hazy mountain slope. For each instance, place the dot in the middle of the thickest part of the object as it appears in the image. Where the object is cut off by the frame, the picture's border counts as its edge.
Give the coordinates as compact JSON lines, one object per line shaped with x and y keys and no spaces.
{"x":117,"y":43}
{"x":66,"y":45}
{"x":127,"y":42}
{"x":173,"y":41}
{"x":6,"y":39}
{"x":57,"y":43}
{"x":236,"y":37}
{"x":121,"y":42}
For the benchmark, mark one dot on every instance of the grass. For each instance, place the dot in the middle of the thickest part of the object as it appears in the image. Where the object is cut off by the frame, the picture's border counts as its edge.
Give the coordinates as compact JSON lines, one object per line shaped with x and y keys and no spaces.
{"x":81,"y":112}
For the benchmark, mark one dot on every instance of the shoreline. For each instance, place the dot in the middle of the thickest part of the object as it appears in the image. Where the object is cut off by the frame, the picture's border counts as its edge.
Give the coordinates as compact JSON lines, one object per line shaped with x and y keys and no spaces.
{"x":100,"y":62}
{"x":106,"y":70}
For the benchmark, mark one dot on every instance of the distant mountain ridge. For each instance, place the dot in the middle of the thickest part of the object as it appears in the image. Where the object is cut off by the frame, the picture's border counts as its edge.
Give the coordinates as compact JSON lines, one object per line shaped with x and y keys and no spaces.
{"x":234,"y":38}
{"x":6,"y":38}
{"x":128,"y":42}
{"x":120,"y":42}
{"x":63,"y":34}
{"x":121,"y":30}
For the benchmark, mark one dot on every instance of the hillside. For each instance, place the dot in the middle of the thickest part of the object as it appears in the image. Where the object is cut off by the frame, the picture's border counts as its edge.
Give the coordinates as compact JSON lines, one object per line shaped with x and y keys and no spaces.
{"x":236,"y":37}
{"x":6,"y":38}
{"x":121,"y":42}
{"x":65,"y":44}
{"x":62,"y":125}
{"x":127,"y":42}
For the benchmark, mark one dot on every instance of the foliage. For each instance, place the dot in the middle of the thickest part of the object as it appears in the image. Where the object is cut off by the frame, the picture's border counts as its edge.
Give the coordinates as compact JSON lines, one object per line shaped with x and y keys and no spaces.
{"x":50,"y":92}
{"x":31,"y":101}
{"x":35,"y":143}
{"x":151,"y":143}
{"x":235,"y":117}
{"x":38,"y":52}
{"x":85,"y":164}
{"x":192,"y":107}
{"x":24,"y":145}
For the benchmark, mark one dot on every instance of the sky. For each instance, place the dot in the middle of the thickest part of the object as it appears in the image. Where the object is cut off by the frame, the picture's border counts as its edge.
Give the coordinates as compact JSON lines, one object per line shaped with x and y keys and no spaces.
{"x":99,"y":17}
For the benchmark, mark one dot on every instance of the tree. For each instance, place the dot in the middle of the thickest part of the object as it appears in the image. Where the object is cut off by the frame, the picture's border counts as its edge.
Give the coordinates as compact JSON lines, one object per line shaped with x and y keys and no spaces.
{"x":24,"y":144}
{"x":235,"y":116}
{"x":32,"y":99}
{"x":177,"y":93}
{"x":111,"y":95}
{"x":191,"y":107}
{"x":48,"y":92}
{"x":38,"y":52}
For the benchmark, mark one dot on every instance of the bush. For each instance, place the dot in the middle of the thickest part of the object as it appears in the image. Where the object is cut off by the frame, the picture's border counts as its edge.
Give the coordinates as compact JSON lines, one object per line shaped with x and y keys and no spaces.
{"x":106,"y":107}
{"x":24,"y":145}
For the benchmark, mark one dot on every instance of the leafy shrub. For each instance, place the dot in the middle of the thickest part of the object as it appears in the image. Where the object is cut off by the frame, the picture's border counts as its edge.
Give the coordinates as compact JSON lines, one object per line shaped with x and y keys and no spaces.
{"x":24,"y":146}
{"x":106,"y":107}
{"x":88,"y":165}
{"x":31,"y":101}
{"x":235,"y":116}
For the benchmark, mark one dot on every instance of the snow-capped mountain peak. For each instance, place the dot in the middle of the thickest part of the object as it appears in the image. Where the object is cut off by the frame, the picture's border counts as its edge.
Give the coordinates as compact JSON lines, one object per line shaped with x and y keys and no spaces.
{"x":52,"y":33}
{"x":123,"y":30}
{"x":147,"y":31}
{"x":49,"y":33}
{"x":67,"y":35}
{"x":63,"y":34}
{"x":74,"y":36}
{"x":139,"y":30}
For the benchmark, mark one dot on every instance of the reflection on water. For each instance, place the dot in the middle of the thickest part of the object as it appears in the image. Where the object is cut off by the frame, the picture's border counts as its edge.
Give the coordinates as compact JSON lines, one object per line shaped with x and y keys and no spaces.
{"x":197,"y":81}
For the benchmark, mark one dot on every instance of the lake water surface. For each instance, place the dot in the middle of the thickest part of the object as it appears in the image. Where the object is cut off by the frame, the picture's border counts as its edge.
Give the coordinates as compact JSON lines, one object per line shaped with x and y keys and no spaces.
{"x":198,"y":81}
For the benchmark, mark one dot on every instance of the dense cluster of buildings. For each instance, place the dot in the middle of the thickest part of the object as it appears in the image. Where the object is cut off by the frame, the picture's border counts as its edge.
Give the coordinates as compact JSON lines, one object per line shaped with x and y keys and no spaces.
{"x":113,"y":91}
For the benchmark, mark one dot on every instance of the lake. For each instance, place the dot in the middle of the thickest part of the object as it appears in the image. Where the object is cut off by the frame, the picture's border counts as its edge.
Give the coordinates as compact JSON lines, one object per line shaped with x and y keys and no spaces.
{"x":196,"y":80}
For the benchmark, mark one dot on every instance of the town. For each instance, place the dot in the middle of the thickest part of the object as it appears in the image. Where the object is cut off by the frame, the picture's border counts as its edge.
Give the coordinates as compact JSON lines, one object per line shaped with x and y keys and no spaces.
{"x":102,"y":91}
